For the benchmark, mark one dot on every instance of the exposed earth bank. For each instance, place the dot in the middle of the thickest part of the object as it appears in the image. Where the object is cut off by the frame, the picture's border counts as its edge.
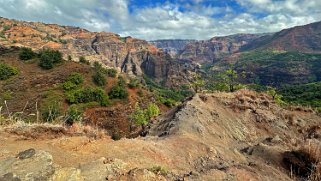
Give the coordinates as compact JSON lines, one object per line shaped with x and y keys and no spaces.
{"x":220,"y":136}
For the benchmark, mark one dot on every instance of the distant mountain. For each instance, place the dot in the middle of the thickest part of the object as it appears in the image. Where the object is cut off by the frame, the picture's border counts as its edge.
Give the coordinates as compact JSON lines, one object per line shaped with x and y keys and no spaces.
{"x":209,"y":51}
{"x":172,"y":46}
{"x":305,"y":39}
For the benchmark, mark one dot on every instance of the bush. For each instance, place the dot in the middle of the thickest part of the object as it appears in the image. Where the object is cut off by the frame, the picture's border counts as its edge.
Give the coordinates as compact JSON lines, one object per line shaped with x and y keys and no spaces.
{"x":75,"y":78}
{"x":111,"y":72}
{"x":49,"y":57}
{"x":133,"y":83}
{"x":139,"y":116}
{"x":7,"y":71}
{"x":115,"y":136}
{"x":26,"y":53}
{"x":51,"y":112}
{"x":99,"y":79}
{"x":142,"y":116}
{"x":87,"y":95}
{"x":152,"y":110}
{"x":83,"y":60}
{"x":67,"y":86}
{"x":118,"y":91}
{"x":72,"y":115}
{"x":98,"y":66}
{"x":6,"y":27}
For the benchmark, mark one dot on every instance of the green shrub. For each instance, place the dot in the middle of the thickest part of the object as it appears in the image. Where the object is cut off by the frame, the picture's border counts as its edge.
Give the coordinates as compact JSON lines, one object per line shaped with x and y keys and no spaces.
{"x":142,"y":117}
{"x":51,"y":112}
{"x":133,"y":83}
{"x":63,"y":41}
{"x":118,"y":91}
{"x":139,"y":116}
{"x":167,"y":101}
{"x":121,"y":81}
{"x":83,"y":60}
{"x":2,"y":35}
{"x":98,"y":66}
{"x":7,"y":71}
{"x":72,"y":115}
{"x":7,"y":95}
{"x":87,"y":95}
{"x":99,"y":79}
{"x":49,"y":57}
{"x":159,"y":170}
{"x":115,"y":136}
{"x":75,"y":78}
{"x":111,"y":72}
{"x":6,"y":27}
{"x":26,"y":53}
{"x":152,"y":110}
{"x":67,"y":86}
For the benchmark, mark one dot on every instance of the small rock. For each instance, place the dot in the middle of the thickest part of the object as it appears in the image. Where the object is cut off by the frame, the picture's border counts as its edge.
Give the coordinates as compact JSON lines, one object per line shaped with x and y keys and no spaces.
{"x":276,"y":139}
{"x":26,"y":154}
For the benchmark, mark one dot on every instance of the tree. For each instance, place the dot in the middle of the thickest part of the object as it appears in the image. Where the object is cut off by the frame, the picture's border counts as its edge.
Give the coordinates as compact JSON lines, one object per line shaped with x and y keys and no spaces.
{"x":198,"y":83}
{"x":275,"y":96}
{"x":230,"y":79}
{"x":142,"y":117}
{"x":139,"y":116}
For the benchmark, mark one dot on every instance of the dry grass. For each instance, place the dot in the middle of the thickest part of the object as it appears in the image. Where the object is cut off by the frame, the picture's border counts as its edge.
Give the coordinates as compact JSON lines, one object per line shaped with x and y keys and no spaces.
{"x":313,"y":150}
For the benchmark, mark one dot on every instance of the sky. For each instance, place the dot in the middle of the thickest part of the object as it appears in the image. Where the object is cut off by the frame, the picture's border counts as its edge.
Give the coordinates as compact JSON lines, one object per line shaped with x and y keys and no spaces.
{"x":164,"y":19}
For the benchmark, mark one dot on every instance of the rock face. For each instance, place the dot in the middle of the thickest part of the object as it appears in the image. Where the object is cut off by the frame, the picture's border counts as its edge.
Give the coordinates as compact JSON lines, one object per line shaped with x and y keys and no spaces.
{"x":38,"y":165}
{"x":127,"y":54}
{"x":28,"y":165}
{"x":306,"y":39}
{"x":172,"y":47}
{"x":209,"y":51}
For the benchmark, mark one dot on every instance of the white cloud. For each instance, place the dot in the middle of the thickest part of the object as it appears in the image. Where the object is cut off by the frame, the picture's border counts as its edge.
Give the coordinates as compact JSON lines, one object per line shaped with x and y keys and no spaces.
{"x":160,"y":21}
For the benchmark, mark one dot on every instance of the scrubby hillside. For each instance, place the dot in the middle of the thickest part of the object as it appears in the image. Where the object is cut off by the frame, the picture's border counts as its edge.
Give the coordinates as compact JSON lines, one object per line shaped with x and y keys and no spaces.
{"x":69,"y":92}
{"x":221,"y":136}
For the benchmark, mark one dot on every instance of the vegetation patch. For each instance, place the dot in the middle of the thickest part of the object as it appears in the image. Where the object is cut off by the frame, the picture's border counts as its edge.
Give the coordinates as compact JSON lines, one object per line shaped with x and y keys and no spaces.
{"x":26,"y":54}
{"x":86,"y":95}
{"x":7,"y":71}
{"x":49,"y":58}
{"x":119,"y":91}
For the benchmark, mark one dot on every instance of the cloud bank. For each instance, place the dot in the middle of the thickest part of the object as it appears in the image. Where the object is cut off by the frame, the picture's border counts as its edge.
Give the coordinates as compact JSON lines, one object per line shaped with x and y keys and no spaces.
{"x":160,"y":19}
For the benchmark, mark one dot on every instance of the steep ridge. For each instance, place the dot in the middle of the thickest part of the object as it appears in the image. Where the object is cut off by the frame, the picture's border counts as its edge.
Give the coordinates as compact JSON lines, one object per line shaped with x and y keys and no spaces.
{"x":306,"y":39}
{"x":127,"y":54}
{"x":226,"y":136}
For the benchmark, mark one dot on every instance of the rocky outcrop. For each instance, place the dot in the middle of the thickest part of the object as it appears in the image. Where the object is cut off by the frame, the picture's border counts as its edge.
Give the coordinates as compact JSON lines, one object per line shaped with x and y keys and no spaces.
{"x":172,"y":47}
{"x":126,"y":54}
{"x":38,"y":165}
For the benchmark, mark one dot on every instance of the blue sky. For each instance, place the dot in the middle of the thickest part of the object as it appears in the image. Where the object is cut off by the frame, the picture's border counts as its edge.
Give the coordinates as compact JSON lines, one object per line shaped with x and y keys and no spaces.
{"x":163,"y":19}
